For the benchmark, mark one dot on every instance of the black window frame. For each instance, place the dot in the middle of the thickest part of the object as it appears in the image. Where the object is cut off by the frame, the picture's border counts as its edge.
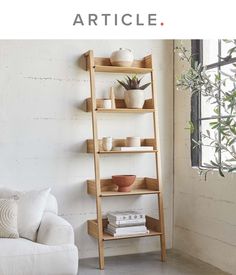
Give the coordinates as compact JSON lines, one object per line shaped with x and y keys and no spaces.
{"x":196,"y":116}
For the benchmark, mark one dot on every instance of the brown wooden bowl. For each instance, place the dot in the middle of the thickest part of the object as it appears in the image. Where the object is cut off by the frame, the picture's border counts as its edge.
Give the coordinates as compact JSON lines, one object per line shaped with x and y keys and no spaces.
{"x":123,"y":182}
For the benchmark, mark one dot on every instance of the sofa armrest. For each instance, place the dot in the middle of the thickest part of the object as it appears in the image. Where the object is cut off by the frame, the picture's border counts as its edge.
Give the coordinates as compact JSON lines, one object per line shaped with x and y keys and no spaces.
{"x":54,"y":230}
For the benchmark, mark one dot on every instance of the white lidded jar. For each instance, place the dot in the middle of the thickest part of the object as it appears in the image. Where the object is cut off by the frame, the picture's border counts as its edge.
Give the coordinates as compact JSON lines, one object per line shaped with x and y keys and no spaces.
{"x":122,"y":58}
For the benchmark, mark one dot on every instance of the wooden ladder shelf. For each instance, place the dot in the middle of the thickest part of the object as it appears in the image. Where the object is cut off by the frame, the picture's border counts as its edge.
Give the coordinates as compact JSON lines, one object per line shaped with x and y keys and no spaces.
{"x":104,"y":187}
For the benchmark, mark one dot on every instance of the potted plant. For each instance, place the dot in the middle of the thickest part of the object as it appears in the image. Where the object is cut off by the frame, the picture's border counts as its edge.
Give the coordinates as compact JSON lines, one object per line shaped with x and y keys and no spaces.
{"x":134,"y":93}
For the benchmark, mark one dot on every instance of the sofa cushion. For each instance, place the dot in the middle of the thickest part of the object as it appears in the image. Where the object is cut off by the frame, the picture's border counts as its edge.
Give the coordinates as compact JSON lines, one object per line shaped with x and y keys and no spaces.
{"x":51,"y":205}
{"x":8,"y":219}
{"x":31,"y":206}
{"x":21,"y":256}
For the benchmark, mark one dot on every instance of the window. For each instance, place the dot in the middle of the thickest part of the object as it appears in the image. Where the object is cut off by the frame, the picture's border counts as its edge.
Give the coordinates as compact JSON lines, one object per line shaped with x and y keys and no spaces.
{"x":209,"y":53}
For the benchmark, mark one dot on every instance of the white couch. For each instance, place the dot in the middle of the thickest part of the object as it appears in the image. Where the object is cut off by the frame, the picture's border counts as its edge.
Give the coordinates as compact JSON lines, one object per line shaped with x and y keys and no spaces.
{"x":54,"y":253}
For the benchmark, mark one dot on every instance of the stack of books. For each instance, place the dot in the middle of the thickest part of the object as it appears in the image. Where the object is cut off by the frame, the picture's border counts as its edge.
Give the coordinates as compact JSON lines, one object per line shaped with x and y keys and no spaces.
{"x":126,"y":223}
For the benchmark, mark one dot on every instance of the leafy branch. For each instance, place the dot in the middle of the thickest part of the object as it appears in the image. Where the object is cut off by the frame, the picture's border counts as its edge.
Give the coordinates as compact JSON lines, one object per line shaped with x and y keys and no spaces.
{"x":219,"y":90}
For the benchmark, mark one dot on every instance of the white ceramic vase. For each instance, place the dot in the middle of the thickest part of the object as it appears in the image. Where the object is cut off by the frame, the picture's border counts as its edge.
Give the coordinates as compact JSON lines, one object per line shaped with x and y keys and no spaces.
{"x":122,"y":58}
{"x":107,"y":143}
{"x":134,"y":99}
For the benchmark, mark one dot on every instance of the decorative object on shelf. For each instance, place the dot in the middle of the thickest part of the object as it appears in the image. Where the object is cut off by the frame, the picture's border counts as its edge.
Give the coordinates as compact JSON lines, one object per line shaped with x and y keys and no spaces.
{"x":123,"y":182}
{"x":112,"y":97}
{"x":107,"y":104}
{"x":122,"y":58}
{"x":134,"y":93}
{"x":133,"y":149}
{"x":126,"y":223}
{"x":107,"y":143}
{"x":133,"y":142}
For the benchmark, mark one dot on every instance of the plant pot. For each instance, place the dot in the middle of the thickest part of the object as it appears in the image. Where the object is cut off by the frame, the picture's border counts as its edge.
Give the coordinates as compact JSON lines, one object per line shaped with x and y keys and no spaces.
{"x":124,"y":182}
{"x":134,"y":99}
{"x":122,"y":58}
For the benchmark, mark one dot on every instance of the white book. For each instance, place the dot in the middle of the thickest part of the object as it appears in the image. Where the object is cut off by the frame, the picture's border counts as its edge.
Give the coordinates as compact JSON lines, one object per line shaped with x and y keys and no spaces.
{"x":125,"y":215}
{"x":139,"y":148}
{"x":126,"y":234}
{"x":121,"y":222}
{"x":127,"y":230}
{"x":127,"y":223}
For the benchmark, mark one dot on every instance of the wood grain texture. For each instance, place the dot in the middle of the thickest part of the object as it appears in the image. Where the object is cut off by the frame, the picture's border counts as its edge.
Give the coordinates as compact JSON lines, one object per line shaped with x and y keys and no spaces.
{"x":120,"y":143}
{"x":90,"y":61}
{"x":141,"y":186}
{"x":152,"y":224}
{"x":158,"y":168}
{"x":104,"y":188}
{"x":120,"y":106}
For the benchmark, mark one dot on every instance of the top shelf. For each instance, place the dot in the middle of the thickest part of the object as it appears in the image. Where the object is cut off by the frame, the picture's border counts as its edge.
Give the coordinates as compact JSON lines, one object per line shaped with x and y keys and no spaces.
{"x":128,"y":70}
{"x":103,"y":64}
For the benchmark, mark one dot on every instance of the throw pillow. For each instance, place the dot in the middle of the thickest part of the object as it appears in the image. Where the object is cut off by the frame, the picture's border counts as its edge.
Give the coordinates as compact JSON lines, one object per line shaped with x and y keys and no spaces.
{"x":8,"y":218}
{"x":31,"y":206}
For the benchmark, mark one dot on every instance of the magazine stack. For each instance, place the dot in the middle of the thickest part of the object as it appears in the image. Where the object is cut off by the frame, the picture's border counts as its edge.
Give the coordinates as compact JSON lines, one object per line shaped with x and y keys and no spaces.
{"x":126,"y":223}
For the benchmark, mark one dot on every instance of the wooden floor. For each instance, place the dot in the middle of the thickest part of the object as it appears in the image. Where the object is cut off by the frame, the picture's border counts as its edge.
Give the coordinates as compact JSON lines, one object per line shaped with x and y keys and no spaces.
{"x":149,"y":263}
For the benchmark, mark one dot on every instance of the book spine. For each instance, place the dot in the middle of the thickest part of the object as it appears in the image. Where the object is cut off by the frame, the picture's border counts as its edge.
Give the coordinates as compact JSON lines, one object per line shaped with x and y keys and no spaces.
{"x":127,"y":230}
{"x":125,"y":234}
{"x":126,"y":217}
{"x":126,"y":224}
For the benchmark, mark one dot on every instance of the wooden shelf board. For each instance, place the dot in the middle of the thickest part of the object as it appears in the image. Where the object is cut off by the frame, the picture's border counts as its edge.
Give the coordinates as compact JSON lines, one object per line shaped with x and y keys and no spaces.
{"x":132,"y":193}
{"x":124,"y":110}
{"x":107,"y":237}
{"x":127,"y":152}
{"x":153,"y":225}
{"x":141,"y":186}
{"x":115,"y":69}
{"x":120,"y":106}
{"x":122,"y":143}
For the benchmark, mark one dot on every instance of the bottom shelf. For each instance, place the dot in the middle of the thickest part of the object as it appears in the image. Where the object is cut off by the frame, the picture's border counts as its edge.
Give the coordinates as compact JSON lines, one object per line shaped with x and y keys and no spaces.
{"x":153,"y":225}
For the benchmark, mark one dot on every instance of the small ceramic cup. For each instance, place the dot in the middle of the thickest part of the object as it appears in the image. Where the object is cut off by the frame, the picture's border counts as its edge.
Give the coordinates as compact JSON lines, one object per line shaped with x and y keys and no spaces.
{"x":107,"y":143}
{"x":107,"y":104}
{"x":133,"y":141}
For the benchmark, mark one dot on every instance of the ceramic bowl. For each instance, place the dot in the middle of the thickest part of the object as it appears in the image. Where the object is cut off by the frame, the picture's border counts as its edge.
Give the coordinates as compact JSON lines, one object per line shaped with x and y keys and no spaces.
{"x":123,"y":182}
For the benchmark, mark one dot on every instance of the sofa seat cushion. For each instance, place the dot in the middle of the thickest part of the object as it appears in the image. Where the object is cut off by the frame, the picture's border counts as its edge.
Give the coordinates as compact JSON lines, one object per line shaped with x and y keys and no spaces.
{"x":21,"y":256}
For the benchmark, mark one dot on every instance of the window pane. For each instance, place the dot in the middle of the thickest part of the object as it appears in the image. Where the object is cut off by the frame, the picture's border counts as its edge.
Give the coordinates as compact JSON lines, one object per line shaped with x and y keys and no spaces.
{"x":225,"y":48}
{"x":208,"y":151}
{"x":226,"y":138}
{"x":207,"y":107}
{"x":229,"y":86}
{"x":226,"y":156}
{"x":210,"y":51}
{"x":208,"y":104}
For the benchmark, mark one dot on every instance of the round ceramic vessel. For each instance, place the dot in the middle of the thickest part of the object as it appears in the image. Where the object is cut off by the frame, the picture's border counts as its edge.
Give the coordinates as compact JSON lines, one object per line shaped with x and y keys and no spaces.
{"x":107,"y":104}
{"x":123,"y":182}
{"x":134,"y":99}
{"x":107,"y":143}
{"x":133,"y":141}
{"x":122,"y":58}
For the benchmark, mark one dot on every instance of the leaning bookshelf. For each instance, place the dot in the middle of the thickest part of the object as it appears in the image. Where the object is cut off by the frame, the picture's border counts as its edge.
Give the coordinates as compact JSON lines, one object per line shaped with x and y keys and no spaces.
{"x":101,"y":188}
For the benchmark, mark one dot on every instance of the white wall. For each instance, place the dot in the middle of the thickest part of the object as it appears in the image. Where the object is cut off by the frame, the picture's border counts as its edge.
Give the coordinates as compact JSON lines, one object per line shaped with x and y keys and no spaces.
{"x":205,"y":211}
{"x":43,"y":128}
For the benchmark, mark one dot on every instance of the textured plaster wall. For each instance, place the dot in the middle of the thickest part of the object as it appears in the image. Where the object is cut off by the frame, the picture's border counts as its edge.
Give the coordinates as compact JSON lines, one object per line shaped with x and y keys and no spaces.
{"x":205,"y":220}
{"x":43,"y":128}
